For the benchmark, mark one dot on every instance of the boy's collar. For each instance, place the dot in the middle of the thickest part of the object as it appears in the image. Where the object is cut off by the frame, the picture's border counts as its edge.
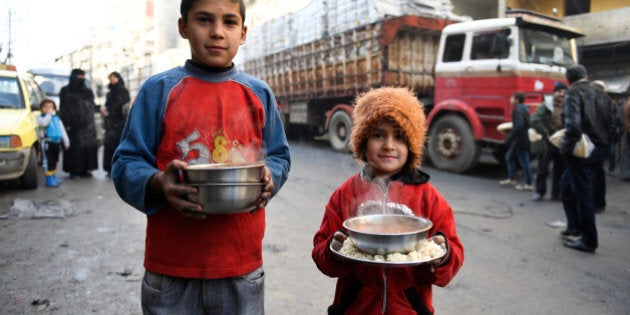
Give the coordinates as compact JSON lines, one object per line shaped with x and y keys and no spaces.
{"x":206,"y":68}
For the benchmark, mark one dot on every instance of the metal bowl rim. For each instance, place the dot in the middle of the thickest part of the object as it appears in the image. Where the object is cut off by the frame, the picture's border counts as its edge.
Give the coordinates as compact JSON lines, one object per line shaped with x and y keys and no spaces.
{"x":223,"y":166}
{"x":425,"y":220}
{"x":224,"y":184}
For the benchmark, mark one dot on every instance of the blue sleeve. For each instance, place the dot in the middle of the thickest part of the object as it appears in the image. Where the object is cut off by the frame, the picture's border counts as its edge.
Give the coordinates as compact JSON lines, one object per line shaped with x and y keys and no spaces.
{"x":134,"y":161}
{"x":278,"y":156}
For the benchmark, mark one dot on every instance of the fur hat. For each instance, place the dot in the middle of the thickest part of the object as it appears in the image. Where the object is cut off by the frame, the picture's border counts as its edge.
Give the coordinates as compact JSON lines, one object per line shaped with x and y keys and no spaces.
{"x":397,"y":104}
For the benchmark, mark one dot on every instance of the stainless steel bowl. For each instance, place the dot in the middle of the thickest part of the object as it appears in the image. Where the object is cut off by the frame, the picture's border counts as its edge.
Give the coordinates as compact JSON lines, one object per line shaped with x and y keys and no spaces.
{"x":223,"y":173}
{"x":227,"y":197}
{"x":384,"y":234}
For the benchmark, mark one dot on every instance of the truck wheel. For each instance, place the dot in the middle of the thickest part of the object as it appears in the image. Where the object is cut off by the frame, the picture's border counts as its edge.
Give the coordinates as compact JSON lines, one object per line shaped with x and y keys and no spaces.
{"x":29,"y":179}
{"x":339,"y":129}
{"x":451,"y":145}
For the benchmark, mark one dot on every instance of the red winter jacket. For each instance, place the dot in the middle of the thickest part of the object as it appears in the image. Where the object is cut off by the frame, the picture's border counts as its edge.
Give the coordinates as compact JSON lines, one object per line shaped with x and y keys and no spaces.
{"x":360,"y":286}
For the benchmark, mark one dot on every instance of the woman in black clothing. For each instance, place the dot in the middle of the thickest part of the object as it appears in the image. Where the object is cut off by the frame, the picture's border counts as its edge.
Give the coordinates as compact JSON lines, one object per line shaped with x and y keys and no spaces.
{"x":76,"y":110}
{"x":117,"y":97}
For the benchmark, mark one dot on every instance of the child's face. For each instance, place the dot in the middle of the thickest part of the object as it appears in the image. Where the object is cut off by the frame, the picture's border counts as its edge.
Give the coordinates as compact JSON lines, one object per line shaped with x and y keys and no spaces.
{"x":47,"y":107}
{"x":214,"y":31}
{"x":387,"y":149}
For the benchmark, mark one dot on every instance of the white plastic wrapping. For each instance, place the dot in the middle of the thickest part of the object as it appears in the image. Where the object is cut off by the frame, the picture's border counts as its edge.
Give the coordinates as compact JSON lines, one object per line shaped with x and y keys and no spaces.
{"x":327,"y":17}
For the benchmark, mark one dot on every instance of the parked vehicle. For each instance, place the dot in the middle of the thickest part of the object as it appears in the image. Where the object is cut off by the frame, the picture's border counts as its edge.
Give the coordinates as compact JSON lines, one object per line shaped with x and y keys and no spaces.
{"x":51,"y":81}
{"x":464,"y":72}
{"x":20,"y":96}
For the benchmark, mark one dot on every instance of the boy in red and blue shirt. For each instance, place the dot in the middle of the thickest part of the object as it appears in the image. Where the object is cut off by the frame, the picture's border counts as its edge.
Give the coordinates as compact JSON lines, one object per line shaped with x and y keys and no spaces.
{"x":204,"y":112}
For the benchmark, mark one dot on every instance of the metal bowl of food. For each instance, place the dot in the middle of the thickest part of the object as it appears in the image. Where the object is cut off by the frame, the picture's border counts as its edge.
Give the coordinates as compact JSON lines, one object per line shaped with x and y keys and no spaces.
{"x":223,"y":173}
{"x":227,"y":197}
{"x":382,"y":234}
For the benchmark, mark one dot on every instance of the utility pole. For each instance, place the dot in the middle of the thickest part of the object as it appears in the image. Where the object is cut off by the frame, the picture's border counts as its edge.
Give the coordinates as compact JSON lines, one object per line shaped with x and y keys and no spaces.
{"x":7,"y":59}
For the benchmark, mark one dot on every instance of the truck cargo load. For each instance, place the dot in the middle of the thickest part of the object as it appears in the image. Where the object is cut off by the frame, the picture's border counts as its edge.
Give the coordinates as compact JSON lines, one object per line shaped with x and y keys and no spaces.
{"x":463,"y":71}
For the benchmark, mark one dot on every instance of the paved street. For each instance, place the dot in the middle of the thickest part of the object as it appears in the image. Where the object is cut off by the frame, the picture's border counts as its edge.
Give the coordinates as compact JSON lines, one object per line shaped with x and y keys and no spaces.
{"x":90,"y":261}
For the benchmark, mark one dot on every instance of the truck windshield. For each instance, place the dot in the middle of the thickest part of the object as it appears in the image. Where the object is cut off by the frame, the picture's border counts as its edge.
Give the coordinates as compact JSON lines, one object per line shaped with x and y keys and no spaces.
{"x":545,"y":48}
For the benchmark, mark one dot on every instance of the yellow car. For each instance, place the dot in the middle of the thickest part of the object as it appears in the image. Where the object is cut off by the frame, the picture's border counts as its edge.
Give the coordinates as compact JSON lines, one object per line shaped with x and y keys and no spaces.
{"x":20,"y":96}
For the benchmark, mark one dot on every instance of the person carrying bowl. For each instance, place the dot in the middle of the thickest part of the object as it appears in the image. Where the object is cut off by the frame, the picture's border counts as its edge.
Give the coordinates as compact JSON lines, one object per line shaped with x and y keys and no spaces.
{"x":388,"y":138}
{"x":206,"y":111}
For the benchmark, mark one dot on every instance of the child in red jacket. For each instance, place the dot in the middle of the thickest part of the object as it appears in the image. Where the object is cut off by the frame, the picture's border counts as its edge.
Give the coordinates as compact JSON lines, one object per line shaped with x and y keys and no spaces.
{"x":388,"y":137}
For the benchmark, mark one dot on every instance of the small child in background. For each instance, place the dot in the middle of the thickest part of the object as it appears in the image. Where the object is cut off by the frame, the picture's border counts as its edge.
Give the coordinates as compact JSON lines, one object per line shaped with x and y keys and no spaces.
{"x":388,"y":136}
{"x":53,"y":135}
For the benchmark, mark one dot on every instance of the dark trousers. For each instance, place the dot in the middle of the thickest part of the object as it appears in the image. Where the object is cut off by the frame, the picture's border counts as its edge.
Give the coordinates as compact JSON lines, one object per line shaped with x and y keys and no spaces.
{"x":599,"y":182}
{"x":551,"y":155}
{"x":51,"y":155}
{"x":576,"y":188}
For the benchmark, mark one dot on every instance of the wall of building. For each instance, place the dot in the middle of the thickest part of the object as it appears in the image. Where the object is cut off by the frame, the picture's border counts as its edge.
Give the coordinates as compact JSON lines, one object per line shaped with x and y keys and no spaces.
{"x":603,"y":5}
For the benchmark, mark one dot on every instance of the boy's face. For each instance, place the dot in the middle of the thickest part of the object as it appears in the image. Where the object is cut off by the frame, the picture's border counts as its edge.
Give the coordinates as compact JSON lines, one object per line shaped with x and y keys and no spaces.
{"x":387,"y":149}
{"x":214,"y":31}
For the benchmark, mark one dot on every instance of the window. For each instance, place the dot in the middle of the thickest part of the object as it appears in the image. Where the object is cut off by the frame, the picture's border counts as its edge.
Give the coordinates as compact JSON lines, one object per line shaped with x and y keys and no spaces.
{"x":537,"y":46}
{"x":490,"y":45}
{"x":9,"y":93}
{"x":575,"y":7}
{"x":35,"y":93}
{"x":454,"y":48}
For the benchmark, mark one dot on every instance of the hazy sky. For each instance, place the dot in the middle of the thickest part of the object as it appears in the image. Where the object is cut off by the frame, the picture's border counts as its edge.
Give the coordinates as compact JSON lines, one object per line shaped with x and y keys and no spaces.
{"x":44,"y":29}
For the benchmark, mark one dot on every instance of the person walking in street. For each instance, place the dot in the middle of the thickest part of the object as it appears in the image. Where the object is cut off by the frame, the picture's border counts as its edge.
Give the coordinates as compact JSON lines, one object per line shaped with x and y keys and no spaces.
{"x":53,"y":137}
{"x":546,"y":120}
{"x":582,"y":115}
{"x":517,"y":142}
{"x":623,"y":166}
{"x":204,"y":112}
{"x":115,"y":100}
{"x":388,"y":137}
{"x":76,"y":110}
{"x":603,"y":101}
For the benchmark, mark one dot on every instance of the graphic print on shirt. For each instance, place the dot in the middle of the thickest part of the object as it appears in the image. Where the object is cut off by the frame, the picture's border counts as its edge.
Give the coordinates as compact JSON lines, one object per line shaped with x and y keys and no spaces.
{"x":221,"y":126}
{"x":222,"y":152}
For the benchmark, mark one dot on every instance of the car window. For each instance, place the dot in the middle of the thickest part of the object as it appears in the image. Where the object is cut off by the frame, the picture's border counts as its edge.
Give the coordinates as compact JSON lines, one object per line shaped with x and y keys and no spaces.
{"x":36,"y":94}
{"x":10,"y":93}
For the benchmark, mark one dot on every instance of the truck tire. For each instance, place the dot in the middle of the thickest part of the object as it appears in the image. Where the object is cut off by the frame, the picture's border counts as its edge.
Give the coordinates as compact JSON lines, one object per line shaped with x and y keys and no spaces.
{"x":451,"y":145}
{"x":339,"y":129}
{"x":29,"y":179}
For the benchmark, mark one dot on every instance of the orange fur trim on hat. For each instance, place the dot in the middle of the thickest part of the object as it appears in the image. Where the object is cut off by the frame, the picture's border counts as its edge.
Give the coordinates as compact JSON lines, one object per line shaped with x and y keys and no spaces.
{"x":397,"y":104}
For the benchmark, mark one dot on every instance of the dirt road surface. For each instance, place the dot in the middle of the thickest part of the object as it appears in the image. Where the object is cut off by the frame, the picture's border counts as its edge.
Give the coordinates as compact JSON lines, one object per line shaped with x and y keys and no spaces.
{"x":85,"y":255}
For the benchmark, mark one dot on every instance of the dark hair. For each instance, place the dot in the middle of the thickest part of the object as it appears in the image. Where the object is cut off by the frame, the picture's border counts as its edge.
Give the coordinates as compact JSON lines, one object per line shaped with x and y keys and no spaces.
{"x":47,"y":100}
{"x":575,"y":73}
{"x":519,"y":96}
{"x":187,"y":4}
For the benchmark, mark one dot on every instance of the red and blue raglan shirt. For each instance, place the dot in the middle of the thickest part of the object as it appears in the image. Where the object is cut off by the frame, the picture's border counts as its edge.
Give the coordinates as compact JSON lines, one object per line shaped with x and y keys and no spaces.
{"x":197,"y":116}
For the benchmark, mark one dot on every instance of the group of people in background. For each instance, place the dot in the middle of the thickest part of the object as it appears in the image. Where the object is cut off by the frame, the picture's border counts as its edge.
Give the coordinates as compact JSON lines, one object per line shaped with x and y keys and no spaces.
{"x":579,"y":182}
{"x":73,"y":129}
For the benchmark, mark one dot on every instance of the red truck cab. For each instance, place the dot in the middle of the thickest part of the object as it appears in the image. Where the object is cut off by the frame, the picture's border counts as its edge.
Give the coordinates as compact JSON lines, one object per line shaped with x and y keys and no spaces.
{"x":482,"y":63}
